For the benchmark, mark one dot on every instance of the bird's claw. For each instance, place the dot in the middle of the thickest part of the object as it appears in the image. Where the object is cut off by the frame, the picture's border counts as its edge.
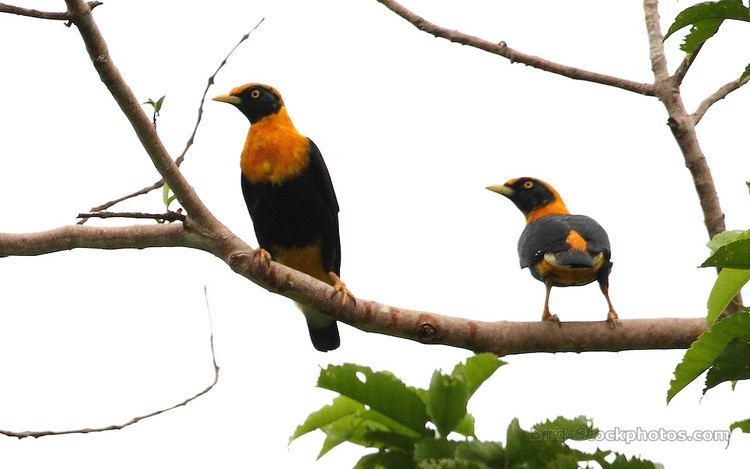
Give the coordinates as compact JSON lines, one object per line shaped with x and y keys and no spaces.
{"x":551,"y":317}
{"x":612,"y":319}
{"x":263,"y":257}
{"x":339,"y":287}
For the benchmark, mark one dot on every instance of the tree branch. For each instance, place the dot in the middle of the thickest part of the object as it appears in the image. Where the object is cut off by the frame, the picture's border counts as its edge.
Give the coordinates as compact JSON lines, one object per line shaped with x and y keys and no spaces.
{"x":513,"y":55}
{"x":210,"y":235}
{"x":720,"y":94}
{"x":80,"y":14}
{"x":685,"y":65}
{"x":682,"y":125}
{"x":76,"y":236}
{"x":501,"y":337}
{"x":189,"y":143}
{"x":45,"y":15}
{"x":168,"y":216}
{"x":134,"y":420}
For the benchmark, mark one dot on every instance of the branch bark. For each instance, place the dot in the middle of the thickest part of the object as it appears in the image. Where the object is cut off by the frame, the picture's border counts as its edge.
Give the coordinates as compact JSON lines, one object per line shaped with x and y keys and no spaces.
{"x":717,"y":96}
{"x":77,"y":236}
{"x":191,"y":139}
{"x":45,"y":15}
{"x":502,"y":49}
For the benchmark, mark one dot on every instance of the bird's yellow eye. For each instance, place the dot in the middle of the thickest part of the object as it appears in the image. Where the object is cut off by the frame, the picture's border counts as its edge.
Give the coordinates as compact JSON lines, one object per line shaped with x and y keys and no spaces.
{"x":528,"y":185}
{"x":255,"y":93}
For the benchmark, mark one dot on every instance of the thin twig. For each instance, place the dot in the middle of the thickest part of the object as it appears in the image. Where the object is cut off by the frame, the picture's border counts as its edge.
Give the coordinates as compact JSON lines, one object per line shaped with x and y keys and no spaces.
{"x":682,"y":70}
{"x":134,"y":420}
{"x":168,"y":216}
{"x":502,"y":49}
{"x":190,"y":140}
{"x":720,"y":94}
{"x":45,"y":15}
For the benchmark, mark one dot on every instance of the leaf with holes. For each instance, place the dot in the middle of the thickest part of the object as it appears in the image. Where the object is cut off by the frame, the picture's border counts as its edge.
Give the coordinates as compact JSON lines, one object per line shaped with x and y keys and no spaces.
{"x":381,"y":391}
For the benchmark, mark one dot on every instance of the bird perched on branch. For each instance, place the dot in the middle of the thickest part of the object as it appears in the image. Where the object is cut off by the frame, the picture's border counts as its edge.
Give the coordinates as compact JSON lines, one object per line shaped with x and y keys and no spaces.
{"x":291,"y":200}
{"x":560,"y":249}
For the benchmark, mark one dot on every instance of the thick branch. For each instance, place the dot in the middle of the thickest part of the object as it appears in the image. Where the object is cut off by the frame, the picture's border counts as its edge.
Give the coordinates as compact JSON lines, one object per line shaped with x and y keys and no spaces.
{"x":77,"y":236}
{"x":80,"y":14}
{"x":45,"y":15}
{"x":720,"y":94}
{"x":502,"y":49}
{"x":502,"y":337}
{"x":682,"y":125}
{"x":190,"y":140}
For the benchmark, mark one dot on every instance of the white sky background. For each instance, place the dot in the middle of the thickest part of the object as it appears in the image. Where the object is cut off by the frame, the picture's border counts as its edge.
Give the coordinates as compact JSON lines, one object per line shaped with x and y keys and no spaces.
{"x":412,"y":129}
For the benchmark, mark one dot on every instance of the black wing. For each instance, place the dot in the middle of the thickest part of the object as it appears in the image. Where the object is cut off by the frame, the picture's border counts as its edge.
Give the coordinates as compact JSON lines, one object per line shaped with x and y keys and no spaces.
{"x":331,"y":239}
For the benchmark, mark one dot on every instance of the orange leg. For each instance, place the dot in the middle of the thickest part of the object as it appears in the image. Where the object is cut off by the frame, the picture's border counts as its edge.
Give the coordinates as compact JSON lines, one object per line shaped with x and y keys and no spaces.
{"x":612,"y":318}
{"x":546,"y":316}
{"x":340,"y":287}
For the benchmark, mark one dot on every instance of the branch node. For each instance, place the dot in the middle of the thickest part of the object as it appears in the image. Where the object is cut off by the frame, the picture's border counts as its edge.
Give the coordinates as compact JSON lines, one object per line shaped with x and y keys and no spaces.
{"x":427,"y":330}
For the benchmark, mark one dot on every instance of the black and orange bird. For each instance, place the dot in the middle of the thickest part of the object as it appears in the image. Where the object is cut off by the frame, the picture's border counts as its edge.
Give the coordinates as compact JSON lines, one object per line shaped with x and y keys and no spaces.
{"x":560,"y":249}
{"x":290,"y":197}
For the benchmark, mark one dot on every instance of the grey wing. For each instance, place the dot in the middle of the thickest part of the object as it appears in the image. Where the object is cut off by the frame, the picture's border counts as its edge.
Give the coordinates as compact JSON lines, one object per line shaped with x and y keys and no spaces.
{"x":548,"y":235}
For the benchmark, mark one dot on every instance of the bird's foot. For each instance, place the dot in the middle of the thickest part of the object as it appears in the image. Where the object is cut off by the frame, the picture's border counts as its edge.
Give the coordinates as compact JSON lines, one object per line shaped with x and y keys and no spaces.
{"x":263,"y":257}
{"x":339,"y":287}
{"x":612,"y":319}
{"x":546,"y":316}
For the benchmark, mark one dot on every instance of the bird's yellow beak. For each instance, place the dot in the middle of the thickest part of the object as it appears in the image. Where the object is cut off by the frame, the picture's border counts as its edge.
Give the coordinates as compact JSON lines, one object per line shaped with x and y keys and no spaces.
{"x":501,"y":189}
{"x":227,"y":98}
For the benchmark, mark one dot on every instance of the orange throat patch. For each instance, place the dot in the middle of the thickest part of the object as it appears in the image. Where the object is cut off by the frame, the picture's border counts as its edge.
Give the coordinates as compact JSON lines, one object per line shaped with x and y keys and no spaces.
{"x":556,"y":207}
{"x":274,"y":151}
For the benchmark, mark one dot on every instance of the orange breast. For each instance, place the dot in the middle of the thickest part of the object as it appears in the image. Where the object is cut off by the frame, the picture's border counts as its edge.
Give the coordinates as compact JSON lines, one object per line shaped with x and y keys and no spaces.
{"x":274,"y":151}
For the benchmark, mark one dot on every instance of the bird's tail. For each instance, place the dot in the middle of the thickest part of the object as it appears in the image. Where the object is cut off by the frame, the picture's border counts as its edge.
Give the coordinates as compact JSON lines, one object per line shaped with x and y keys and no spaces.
{"x":324,"y":332}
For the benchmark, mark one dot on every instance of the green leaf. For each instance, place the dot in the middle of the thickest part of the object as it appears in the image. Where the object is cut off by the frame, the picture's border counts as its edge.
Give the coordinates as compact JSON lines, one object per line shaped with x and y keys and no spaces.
{"x":477,"y":370}
{"x":466,"y":426}
{"x":446,"y":402}
{"x":706,"y":18}
{"x":724,"y":238}
{"x":340,"y":407}
{"x":744,"y":75}
{"x":704,"y":351}
{"x":743,"y":425}
{"x":381,"y":391}
{"x":731,"y":365}
{"x":561,"y":429}
{"x":728,"y":284}
{"x":435,"y":449}
{"x":353,"y":428}
{"x":157,"y":106}
{"x":165,"y":195}
{"x":385,"y":460}
{"x":488,"y":452}
{"x":735,"y":255}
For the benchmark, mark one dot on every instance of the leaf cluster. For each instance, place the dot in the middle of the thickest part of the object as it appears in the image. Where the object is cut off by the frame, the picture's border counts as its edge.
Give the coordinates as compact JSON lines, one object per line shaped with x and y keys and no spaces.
{"x":410,"y":426}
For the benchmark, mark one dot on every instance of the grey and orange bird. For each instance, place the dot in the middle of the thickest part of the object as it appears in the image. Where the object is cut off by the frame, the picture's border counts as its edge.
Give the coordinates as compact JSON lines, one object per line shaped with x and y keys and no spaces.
{"x":290,"y":198}
{"x":560,"y":249}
